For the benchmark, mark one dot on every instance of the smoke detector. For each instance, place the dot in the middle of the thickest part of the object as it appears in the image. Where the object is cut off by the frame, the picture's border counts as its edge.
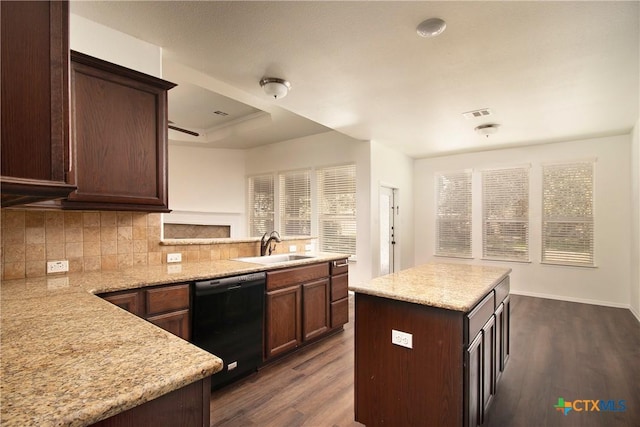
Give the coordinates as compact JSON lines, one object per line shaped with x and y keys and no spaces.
{"x":487,"y":129}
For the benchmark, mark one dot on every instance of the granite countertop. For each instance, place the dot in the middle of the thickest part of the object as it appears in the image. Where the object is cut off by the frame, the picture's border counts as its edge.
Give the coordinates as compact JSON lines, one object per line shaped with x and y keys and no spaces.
{"x":70,"y":358}
{"x":456,"y":287}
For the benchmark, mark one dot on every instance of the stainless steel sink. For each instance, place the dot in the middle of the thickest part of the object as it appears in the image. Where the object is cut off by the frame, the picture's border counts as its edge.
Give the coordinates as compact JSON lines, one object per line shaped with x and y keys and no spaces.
{"x":273,"y":259}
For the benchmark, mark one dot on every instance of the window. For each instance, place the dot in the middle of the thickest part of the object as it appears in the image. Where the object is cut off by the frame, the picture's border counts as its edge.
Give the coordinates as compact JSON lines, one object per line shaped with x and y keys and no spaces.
{"x":453,"y":214}
{"x":337,"y":209}
{"x":505,"y":214}
{"x":261,"y":205}
{"x":567,"y":214}
{"x":295,"y":203}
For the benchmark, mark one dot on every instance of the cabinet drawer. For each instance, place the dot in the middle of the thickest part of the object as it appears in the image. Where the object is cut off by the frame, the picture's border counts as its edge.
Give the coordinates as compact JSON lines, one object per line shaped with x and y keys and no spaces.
{"x":480,"y":314}
{"x":339,"y":266}
{"x":339,"y":312}
{"x":502,"y":290}
{"x":339,"y":287}
{"x":167,"y":298}
{"x":296,"y":275}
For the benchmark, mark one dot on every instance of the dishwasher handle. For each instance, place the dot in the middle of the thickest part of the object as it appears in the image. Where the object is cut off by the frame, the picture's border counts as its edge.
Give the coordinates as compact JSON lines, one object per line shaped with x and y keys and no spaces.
{"x":215,"y":286}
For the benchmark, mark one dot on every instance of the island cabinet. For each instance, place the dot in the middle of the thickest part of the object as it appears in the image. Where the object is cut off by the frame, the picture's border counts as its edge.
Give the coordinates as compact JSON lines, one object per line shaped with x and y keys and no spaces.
{"x":167,"y":306}
{"x":119,"y":137}
{"x":425,"y":362}
{"x":35,"y":101}
{"x":302,"y":304}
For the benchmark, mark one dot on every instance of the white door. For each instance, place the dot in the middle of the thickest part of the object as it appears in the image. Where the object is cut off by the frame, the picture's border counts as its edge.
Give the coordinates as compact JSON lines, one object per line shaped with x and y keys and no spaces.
{"x":387,"y":233}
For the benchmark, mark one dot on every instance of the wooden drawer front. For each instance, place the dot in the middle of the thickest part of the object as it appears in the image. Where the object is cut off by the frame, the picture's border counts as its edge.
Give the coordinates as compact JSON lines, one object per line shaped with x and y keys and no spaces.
{"x":167,"y":298}
{"x":479,"y":316}
{"x":339,"y":312}
{"x":339,"y":266}
{"x":296,"y":275}
{"x":502,"y":290}
{"x":339,"y":287}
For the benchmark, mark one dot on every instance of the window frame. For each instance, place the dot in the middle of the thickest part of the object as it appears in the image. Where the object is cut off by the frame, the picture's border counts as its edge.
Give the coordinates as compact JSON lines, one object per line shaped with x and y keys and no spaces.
{"x":510,"y":254}
{"x":466,"y":252}
{"x":585,"y":219}
{"x":348,"y":244}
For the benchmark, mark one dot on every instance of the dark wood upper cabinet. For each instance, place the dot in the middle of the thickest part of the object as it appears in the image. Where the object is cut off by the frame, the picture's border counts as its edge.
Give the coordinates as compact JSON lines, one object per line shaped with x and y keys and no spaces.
{"x":35,"y":101}
{"x":119,"y":137}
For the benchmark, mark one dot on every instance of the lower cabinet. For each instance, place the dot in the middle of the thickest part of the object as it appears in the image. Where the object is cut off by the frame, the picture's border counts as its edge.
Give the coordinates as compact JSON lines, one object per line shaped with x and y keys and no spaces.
{"x":283,"y":331}
{"x":487,"y":354}
{"x":302,"y":304}
{"x":315,"y":309}
{"x":167,"y":306}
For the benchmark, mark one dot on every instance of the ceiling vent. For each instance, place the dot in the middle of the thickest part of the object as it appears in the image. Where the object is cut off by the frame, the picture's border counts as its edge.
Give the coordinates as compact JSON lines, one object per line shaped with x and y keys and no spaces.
{"x":220,"y":113}
{"x":483,"y":112}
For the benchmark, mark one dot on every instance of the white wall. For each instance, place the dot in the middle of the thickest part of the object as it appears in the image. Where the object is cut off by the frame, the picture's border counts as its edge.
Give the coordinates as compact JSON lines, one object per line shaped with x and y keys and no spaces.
{"x":110,"y":45}
{"x":635,"y":221}
{"x":390,"y":168}
{"x":609,"y":283}
{"x":207,"y":186}
{"x":326,"y":149}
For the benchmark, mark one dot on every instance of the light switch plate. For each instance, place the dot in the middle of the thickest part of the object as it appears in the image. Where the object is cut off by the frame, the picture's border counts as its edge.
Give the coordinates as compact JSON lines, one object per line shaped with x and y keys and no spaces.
{"x":402,"y":339}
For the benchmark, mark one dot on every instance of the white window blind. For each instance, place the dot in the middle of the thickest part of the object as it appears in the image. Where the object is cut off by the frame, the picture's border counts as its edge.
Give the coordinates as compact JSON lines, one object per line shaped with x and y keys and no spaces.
{"x":295,"y":203}
{"x":337,"y":209}
{"x":567,"y":214}
{"x":261,"y":205}
{"x":505,"y":214}
{"x":453,"y":214}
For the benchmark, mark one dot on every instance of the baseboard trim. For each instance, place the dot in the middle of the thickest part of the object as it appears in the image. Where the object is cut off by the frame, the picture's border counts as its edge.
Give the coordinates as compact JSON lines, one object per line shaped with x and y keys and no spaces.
{"x":635,"y":313}
{"x":571,"y":299}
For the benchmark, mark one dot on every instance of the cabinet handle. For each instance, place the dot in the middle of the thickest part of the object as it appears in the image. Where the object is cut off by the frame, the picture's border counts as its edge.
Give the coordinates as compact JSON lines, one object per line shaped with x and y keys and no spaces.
{"x":346,"y":263}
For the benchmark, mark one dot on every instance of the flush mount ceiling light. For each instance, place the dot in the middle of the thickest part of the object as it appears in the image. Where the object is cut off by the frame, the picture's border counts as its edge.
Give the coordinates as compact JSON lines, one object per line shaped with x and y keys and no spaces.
{"x":274,"y":87}
{"x":431,"y":27}
{"x":488,"y":129}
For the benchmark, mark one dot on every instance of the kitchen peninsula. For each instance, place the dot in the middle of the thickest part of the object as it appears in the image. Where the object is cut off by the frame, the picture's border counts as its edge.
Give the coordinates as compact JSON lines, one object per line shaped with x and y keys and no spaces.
{"x":430,"y":344}
{"x":71,"y":358}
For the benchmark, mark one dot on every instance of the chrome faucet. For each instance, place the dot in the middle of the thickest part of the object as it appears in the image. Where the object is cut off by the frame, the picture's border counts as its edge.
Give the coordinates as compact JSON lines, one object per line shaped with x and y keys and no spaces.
{"x":265,"y":243}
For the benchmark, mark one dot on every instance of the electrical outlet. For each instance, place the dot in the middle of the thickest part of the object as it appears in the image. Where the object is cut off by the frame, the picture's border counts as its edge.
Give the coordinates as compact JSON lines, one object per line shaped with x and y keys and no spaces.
{"x":308,"y":247}
{"x":176,"y":257}
{"x":402,"y":339}
{"x":57,"y":266}
{"x":293,"y":248}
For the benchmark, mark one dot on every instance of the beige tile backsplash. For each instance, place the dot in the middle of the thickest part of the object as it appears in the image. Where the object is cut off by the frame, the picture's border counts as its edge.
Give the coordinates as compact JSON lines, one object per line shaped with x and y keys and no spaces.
{"x":96,"y":241}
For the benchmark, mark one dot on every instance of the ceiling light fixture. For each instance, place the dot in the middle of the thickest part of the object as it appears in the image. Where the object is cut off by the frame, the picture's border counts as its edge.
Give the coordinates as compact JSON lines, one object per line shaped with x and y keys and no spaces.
{"x":488,"y":129}
{"x":431,"y":27}
{"x":274,"y":87}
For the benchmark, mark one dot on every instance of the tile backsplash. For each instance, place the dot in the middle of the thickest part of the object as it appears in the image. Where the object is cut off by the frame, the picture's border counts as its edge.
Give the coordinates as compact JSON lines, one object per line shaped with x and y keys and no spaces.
{"x":98,"y":240}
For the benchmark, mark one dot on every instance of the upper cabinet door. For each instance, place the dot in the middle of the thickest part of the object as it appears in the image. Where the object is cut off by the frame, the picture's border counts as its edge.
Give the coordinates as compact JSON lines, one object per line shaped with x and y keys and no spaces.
{"x":119,"y":137}
{"x":35,"y":101}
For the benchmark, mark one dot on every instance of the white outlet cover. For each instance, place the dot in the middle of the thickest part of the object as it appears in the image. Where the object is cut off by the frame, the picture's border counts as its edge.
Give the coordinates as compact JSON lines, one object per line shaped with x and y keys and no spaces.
{"x":293,"y":248}
{"x":57,"y":266}
{"x":175,"y":257}
{"x":403,"y":339}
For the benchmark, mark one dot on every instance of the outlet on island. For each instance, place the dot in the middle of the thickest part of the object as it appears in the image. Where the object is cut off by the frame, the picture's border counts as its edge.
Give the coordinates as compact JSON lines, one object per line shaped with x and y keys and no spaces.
{"x":175,"y":257}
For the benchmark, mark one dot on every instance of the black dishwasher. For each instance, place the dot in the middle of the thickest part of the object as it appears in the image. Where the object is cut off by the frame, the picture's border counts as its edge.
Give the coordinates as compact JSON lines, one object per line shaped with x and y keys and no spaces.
{"x":228,"y":315}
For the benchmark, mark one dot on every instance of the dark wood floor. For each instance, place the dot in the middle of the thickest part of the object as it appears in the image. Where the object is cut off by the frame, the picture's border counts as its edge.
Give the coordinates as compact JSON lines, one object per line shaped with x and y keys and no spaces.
{"x":559,"y":349}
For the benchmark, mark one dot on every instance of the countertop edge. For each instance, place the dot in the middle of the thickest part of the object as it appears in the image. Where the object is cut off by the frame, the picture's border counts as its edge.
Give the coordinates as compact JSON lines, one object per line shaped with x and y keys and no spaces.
{"x":466,"y":307}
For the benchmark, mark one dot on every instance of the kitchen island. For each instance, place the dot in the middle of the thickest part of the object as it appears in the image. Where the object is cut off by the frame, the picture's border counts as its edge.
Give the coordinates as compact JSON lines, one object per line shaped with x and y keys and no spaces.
{"x":430,"y":344}
{"x":71,"y":358}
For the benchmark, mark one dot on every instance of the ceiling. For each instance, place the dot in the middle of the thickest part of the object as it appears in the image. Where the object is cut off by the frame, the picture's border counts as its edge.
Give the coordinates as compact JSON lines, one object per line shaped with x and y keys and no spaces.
{"x":548,"y":71}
